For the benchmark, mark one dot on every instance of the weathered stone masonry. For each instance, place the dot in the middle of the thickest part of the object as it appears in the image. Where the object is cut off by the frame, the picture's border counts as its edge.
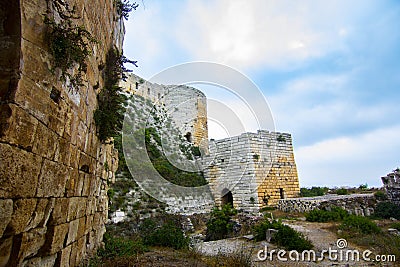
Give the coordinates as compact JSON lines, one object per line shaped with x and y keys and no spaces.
{"x":252,"y":170}
{"x":358,"y":204}
{"x":391,"y":183}
{"x":53,"y":176}
{"x":187,"y":106}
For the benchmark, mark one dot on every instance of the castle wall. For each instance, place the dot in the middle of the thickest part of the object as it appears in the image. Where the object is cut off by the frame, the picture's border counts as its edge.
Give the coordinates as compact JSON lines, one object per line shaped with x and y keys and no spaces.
{"x":53,"y":171}
{"x":186,"y":105}
{"x":357,"y":204}
{"x":251,"y":166}
{"x":281,"y":179}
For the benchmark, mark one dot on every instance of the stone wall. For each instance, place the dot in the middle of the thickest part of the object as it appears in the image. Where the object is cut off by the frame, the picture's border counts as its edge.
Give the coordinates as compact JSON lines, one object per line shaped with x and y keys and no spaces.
{"x":251,"y":167}
{"x":53,"y":171}
{"x":187,"y":106}
{"x":358,"y":204}
{"x":391,"y":183}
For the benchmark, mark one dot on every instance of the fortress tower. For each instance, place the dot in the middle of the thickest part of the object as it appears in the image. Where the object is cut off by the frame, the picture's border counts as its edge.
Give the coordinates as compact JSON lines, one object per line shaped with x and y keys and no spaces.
{"x":186,"y":105}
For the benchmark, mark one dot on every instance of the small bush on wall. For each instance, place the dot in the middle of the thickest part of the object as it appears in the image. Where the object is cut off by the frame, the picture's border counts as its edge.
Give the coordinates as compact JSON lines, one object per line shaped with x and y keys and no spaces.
{"x":69,"y":44}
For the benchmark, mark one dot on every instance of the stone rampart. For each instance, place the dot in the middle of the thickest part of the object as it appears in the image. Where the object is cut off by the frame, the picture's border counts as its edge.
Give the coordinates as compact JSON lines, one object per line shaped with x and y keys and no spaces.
{"x":53,"y":169}
{"x":187,"y":106}
{"x":358,"y":204}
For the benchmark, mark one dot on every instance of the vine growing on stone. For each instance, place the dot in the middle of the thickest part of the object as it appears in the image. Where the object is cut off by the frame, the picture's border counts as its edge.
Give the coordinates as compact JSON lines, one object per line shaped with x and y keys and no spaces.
{"x":110,"y":112}
{"x":69,"y":44}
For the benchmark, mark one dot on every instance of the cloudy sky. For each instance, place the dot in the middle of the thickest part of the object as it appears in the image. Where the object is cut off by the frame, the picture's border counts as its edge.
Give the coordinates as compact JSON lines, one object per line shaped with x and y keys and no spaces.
{"x":330,"y":71}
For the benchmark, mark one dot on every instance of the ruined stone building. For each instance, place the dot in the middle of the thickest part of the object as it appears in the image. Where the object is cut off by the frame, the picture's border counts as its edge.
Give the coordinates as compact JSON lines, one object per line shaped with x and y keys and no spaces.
{"x":185,"y":105}
{"x":391,"y":183}
{"x":249,"y":171}
{"x":252,"y":170}
{"x":54,"y":171}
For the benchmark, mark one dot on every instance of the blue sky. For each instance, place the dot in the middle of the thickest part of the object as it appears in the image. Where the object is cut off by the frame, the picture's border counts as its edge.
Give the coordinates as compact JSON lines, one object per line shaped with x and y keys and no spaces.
{"x":330,"y":71}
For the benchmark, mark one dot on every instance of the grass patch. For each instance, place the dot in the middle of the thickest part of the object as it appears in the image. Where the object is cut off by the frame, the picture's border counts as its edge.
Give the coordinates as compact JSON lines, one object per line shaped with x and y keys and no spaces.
{"x":335,"y":214}
{"x":359,"y":224}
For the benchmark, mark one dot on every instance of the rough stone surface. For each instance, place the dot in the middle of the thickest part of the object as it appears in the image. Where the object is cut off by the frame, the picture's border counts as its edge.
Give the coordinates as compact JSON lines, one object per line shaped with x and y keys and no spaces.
{"x":358,"y":204}
{"x":391,"y":183}
{"x":186,"y":105}
{"x":52,"y":170}
{"x":253,"y":169}
{"x":6,"y":208}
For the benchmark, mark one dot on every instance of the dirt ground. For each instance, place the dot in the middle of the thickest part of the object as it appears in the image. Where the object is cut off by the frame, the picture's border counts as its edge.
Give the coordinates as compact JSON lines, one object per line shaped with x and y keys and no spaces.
{"x":322,"y":235}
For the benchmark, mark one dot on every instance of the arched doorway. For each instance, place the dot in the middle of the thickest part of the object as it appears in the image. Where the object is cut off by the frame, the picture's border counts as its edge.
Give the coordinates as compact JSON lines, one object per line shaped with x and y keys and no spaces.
{"x":188,"y":136}
{"x":227,"y":197}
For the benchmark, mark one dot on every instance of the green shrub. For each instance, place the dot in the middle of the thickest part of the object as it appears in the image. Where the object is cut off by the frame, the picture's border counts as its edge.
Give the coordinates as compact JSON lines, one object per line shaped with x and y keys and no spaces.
{"x":342,"y":191}
{"x":196,"y":151}
{"x":219,"y":225}
{"x":359,"y":224}
{"x":109,"y":115}
{"x":363,"y":186}
{"x":120,"y":247}
{"x":386,"y":210}
{"x":165,"y":168}
{"x":323,"y":215}
{"x":286,"y":236}
{"x":69,"y":44}
{"x":379,"y":195}
{"x":313,"y":191}
{"x":163,"y":233}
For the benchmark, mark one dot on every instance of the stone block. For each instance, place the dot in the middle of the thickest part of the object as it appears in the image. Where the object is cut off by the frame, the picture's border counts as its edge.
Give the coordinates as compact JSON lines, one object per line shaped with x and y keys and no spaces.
{"x":45,"y":143}
{"x":37,"y":64}
{"x":17,"y":126}
{"x":60,"y":211}
{"x":55,"y":238}
{"x":73,"y":231}
{"x":6,"y":211}
{"x":63,"y":152}
{"x":72,"y":184}
{"x":74,"y":159}
{"x":82,"y":227}
{"x":76,"y":208}
{"x":5,"y":250}
{"x":85,"y":178}
{"x":42,"y":212}
{"x":23,"y":210}
{"x":19,"y":171}
{"x":33,"y":98}
{"x":65,"y":255}
{"x":52,"y":180}
{"x":32,"y":242}
{"x":77,"y":252}
{"x":47,"y":261}
{"x":33,"y":28}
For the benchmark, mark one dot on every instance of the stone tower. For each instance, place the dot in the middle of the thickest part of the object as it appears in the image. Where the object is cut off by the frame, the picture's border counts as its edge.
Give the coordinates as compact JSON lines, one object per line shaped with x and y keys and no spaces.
{"x":252,"y":170}
{"x":187,"y":106}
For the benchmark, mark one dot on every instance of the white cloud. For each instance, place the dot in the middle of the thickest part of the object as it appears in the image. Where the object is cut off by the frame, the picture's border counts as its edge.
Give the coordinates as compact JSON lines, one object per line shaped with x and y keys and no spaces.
{"x":350,"y":160}
{"x":268,"y":33}
{"x":325,"y":106}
